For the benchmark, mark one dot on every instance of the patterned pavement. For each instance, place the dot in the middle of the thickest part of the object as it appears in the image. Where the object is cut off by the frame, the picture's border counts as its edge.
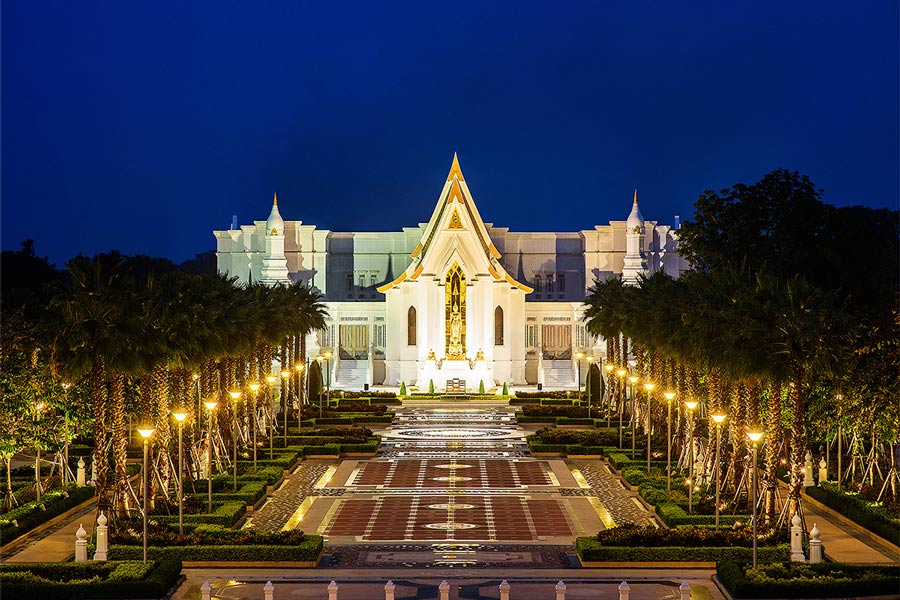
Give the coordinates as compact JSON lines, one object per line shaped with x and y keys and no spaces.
{"x":275,"y":513}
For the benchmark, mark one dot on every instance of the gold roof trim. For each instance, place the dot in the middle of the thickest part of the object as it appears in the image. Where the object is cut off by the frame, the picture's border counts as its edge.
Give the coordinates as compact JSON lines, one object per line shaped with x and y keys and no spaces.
{"x":494,"y":250}
{"x":388,"y":286}
{"x":493,"y":272}
{"x":415,"y":252}
{"x":455,"y":170}
{"x":417,"y":272}
{"x":515,"y":283}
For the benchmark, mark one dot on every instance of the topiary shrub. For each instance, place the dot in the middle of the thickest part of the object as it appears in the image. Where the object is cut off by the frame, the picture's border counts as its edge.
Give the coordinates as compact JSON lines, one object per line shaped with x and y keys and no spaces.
{"x":481,"y":386}
{"x":505,"y":389}
{"x":431,"y":386}
{"x":402,"y":388}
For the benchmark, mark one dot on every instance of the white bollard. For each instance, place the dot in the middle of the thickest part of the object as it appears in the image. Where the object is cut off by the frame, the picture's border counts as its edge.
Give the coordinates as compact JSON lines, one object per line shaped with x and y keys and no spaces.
{"x":808,"y":480}
{"x":205,"y":591}
{"x":560,"y":590}
{"x":102,"y":538}
{"x":685,"y":589}
{"x":624,"y":590}
{"x":332,"y":590}
{"x":389,"y":588}
{"x":797,"y":539}
{"x":81,"y":554}
{"x":444,"y":591}
{"x":815,"y":546}
{"x":823,"y":471}
{"x":79,"y":474}
{"x":504,"y":590}
{"x":268,"y":591}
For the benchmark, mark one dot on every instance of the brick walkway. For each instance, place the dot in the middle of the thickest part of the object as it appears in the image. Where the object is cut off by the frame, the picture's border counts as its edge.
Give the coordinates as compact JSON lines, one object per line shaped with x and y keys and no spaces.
{"x":622,"y":505}
{"x":276,"y":511}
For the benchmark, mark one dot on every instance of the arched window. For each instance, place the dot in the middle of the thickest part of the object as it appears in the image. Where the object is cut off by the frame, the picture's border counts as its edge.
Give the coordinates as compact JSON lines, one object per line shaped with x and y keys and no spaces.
{"x":411,"y":326}
{"x":498,"y":326}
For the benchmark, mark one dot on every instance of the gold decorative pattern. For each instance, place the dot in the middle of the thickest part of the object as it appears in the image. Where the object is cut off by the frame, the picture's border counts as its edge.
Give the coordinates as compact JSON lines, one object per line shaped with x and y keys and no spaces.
{"x":455,"y":311}
{"x":455,"y":221}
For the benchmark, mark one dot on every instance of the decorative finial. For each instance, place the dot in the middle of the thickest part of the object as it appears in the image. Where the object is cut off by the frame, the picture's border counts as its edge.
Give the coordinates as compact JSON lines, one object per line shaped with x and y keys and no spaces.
{"x":275,"y":201}
{"x":455,"y":170}
{"x":635,"y":195}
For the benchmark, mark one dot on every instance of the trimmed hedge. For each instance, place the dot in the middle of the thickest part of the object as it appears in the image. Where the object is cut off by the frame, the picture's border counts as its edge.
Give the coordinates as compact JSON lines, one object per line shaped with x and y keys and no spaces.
{"x":367,"y":447}
{"x":306,"y":551}
{"x":800,"y":580}
{"x":554,"y":448}
{"x":856,"y":508}
{"x":226,"y":514}
{"x":326,"y":450}
{"x":30,"y":515}
{"x":592,"y":550}
{"x":535,"y":419}
{"x":333,"y":421}
{"x":372,"y":419}
{"x":675,"y":516}
{"x":74,"y":581}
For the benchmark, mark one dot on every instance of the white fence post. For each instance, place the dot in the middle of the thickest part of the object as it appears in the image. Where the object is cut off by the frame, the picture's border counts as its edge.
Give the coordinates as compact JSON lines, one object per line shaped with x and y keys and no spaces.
{"x":81,"y":554}
{"x":332,"y":590}
{"x":79,"y":475}
{"x":797,"y":539}
{"x":205,"y":591}
{"x":444,"y":591}
{"x":624,"y":590}
{"x":269,"y":591}
{"x":504,"y":590}
{"x":389,"y":588}
{"x":102,"y":538}
{"x":808,"y":480}
{"x":685,"y":589}
{"x":823,"y":471}
{"x":560,"y":590}
{"x":815,"y":546}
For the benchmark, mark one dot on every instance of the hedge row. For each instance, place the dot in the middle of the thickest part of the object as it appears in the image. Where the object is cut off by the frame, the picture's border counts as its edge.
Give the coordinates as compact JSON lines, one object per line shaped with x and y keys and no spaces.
{"x":74,"y":581}
{"x":799,"y":580}
{"x":675,"y":516}
{"x":306,"y":551}
{"x":856,"y":508}
{"x":591,"y":550}
{"x":567,"y":449}
{"x":23,"y":519}
{"x":226,"y":514}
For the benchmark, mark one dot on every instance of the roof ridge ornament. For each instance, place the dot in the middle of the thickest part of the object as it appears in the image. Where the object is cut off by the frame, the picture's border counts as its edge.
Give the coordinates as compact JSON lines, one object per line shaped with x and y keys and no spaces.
{"x":275,"y":200}
{"x":455,"y":169}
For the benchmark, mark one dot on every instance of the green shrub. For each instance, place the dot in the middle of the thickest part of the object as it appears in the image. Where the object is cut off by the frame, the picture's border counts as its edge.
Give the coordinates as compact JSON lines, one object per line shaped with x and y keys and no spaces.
{"x":373,"y":418}
{"x":800,"y":580}
{"x":575,"y":450}
{"x":26,"y":517}
{"x":574,"y":421}
{"x":333,"y":421}
{"x":505,"y":389}
{"x":535,"y":419}
{"x":307,"y":551}
{"x":633,"y":475}
{"x":368,"y":447}
{"x":324,"y":450}
{"x":402,"y":388}
{"x":74,"y":581}
{"x":226,"y":514}
{"x":876,"y":519}
{"x":675,"y":516}
{"x":552,"y":448}
{"x":268,"y":474}
{"x":591,"y":550}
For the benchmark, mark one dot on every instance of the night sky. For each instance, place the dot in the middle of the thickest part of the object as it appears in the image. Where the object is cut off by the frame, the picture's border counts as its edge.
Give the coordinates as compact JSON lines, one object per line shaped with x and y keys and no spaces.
{"x":144,"y":126}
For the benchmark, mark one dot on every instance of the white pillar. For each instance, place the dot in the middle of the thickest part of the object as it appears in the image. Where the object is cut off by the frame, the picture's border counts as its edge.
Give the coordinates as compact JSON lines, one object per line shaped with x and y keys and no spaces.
{"x":823,"y":471}
{"x":685,"y":589}
{"x":815,"y":546}
{"x":624,"y":590}
{"x":797,"y":539}
{"x":808,"y":480}
{"x":102,"y":538}
{"x":332,"y":590}
{"x":560,"y":590}
{"x":444,"y":591}
{"x":389,"y":588}
{"x":80,"y":476}
{"x":268,"y":590}
{"x":81,"y":553}
{"x":205,"y":591}
{"x":504,"y":590}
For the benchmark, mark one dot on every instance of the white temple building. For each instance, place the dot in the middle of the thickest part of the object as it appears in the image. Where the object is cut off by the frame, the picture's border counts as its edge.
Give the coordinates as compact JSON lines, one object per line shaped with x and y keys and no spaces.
{"x":454,"y":300}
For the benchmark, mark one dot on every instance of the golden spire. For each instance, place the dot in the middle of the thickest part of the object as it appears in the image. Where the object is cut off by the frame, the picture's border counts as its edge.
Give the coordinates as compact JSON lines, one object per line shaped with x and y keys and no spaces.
{"x":454,"y":168}
{"x":275,"y":201}
{"x":635,"y":195}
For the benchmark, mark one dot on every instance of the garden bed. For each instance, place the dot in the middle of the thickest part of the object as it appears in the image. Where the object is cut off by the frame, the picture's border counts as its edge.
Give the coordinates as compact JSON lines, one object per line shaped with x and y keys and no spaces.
{"x":800,"y":580}
{"x":26,"y":517}
{"x":216,"y":544}
{"x":874,"y":516}
{"x":74,"y":581}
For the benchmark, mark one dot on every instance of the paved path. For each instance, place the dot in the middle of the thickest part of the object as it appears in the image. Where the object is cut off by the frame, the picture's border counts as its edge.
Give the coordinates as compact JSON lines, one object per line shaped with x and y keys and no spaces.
{"x":846,"y":541}
{"x":56,"y":543}
{"x":277,"y":510}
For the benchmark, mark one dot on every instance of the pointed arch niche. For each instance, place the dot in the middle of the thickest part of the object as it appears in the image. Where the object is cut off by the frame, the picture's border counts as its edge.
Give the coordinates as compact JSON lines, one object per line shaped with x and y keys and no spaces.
{"x":498,"y":326}
{"x":411,"y":326}
{"x":455,"y":313}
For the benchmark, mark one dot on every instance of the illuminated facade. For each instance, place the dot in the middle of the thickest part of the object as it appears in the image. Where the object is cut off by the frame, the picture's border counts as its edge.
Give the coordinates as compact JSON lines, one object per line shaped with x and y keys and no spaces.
{"x":454,"y":298}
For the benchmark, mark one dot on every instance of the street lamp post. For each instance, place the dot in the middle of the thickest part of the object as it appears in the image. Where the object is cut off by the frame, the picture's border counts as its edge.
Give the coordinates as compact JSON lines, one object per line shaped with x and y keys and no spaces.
{"x":235,"y":395}
{"x":620,"y":373}
{"x":146,"y":431}
{"x":649,"y":387}
{"x":691,"y":405}
{"x":270,"y":379}
{"x":754,"y":436}
{"x":196,"y":378}
{"x":718,"y":419}
{"x":633,"y":379}
{"x":254,"y":387}
{"x":300,"y":367}
{"x":64,"y":473}
{"x":180,"y":417}
{"x":578,"y":357}
{"x":608,"y":367}
{"x":285,"y":374}
{"x":587,"y":385}
{"x":669,"y":397}
{"x":327,"y":381}
{"x":210,"y":406}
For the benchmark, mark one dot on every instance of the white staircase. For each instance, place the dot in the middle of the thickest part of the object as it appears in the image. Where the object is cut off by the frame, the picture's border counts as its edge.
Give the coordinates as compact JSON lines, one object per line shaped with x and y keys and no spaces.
{"x":558,"y":375}
{"x":351,"y":375}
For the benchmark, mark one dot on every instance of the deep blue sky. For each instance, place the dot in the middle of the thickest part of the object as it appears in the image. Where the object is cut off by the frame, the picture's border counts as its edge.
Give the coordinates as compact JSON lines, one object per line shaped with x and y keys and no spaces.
{"x":144,"y":126}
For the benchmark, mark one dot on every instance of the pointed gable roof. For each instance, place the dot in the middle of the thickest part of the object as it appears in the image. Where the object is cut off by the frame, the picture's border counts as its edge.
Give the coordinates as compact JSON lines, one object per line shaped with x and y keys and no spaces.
{"x":455,"y":210}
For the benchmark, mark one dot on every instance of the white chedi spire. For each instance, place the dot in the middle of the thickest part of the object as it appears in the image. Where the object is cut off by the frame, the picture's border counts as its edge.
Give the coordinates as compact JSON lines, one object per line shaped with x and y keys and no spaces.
{"x":275,"y":224}
{"x":635,"y":264}
{"x":635,"y":219}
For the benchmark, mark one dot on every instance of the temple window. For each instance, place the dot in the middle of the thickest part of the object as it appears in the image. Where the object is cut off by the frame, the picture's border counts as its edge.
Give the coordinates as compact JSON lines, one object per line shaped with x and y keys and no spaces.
{"x":498,"y":326}
{"x":411,"y":326}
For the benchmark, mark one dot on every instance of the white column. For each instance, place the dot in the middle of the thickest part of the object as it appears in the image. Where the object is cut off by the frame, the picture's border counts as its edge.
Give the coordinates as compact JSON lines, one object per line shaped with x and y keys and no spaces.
{"x":560,"y":590}
{"x":81,"y":553}
{"x":80,"y":475}
{"x":624,"y":591}
{"x":685,"y":589}
{"x":205,"y":591}
{"x":797,"y":539}
{"x":102,"y":538}
{"x":823,"y":471}
{"x":815,"y":546}
{"x":808,"y":480}
{"x":332,"y":590}
{"x":389,"y":588}
{"x":504,"y":590}
{"x":444,"y":591}
{"x":268,"y":591}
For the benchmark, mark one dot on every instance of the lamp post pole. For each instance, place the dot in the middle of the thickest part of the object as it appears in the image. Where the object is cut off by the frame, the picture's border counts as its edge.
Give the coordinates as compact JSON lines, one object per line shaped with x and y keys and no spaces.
{"x":587,"y":385}
{"x":620,"y":373}
{"x":754,"y":436}
{"x":300,"y":367}
{"x":180,"y":417}
{"x":327,"y":380}
{"x":236,"y":396}
{"x":578,"y":357}
{"x":254,"y":387}
{"x":649,"y":387}
{"x":691,"y":405}
{"x":718,"y":419}
{"x":285,"y":374}
{"x":196,"y":379}
{"x":608,"y":367}
{"x":270,"y":379}
{"x":669,"y":397}
{"x":633,"y":379}
{"x":146,"y":432}
{"x":210,"y":406}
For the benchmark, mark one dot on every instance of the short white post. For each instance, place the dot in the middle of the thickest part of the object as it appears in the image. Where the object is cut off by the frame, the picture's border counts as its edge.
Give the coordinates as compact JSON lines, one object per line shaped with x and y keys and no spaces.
{"x":81,"y":554}
{"x":815,"y":546}
{"x":624,"y":590}
{"x":102,"y":538}
{"x":685,"y":589}
{"x":268,"y":591}
{"x":808,"y":480}
{"x":389,"y":588}
{"x":823,"y":471}
{"x":560,"y":590}
{"x":205,"y":591}
{"x":79,"y":474}
{"x":444,"y":591}
{"x":332,"y":590}
{"x":797,"y":539}
{"x":504,"y":590}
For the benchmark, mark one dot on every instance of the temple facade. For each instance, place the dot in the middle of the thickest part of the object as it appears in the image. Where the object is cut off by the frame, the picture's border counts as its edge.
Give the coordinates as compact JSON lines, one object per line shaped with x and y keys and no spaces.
{"x":454,"y":302}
